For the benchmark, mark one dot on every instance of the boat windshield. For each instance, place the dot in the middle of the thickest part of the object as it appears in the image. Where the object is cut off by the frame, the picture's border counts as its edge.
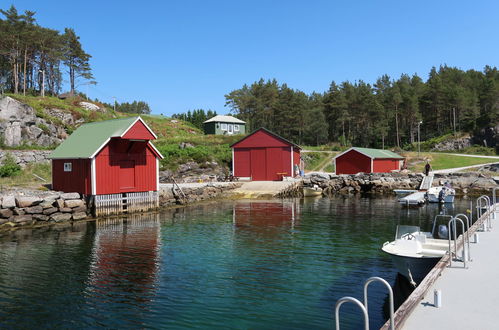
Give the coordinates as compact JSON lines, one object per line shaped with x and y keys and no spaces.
{"x":403,"y":229}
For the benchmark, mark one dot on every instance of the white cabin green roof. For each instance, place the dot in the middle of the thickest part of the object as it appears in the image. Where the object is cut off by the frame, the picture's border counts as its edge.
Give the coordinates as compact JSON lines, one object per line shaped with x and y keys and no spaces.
{"x":224,"y":119}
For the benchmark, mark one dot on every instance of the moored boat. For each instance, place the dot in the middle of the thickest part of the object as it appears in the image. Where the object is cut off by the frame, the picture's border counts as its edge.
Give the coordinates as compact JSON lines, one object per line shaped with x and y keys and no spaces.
{"x":440,"y":194}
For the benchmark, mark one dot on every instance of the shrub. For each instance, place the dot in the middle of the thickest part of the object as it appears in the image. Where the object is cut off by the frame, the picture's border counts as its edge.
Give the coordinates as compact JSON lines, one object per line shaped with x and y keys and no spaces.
{"x":9,"y":167}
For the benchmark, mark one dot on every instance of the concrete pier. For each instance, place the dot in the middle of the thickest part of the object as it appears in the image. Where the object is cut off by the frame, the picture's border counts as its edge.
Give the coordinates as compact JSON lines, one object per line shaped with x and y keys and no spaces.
{"x":469,"y":296}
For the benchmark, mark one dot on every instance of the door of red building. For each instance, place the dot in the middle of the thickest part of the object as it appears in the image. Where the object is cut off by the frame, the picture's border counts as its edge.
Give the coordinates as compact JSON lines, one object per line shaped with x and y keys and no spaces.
{"x":127,"y":174}
{"x":258,"y":164}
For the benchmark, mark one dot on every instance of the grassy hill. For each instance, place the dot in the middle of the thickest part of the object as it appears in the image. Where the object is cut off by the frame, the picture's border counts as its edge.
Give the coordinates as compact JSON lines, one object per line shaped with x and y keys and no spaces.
{"x":178,"y":141}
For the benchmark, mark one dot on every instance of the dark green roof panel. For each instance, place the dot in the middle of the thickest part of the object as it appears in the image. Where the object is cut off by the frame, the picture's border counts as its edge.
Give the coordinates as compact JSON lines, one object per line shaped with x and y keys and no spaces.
{"x":378,"y":153}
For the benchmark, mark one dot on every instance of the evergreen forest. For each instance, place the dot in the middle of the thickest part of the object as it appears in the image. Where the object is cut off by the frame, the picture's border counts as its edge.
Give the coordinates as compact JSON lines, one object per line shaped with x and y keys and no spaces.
{"x":34,"y":59}
{"x":385,"y":114}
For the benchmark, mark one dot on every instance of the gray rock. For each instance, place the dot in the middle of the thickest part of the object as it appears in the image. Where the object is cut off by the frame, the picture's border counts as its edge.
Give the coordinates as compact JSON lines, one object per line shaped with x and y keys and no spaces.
{"x":73,"y":195}
{"x":49,"y":211}
{"x":6,"y":213}
{"x":66,"y":210}
{"x":40,"y":217}
{"x":18,"y":211}
{"x":47,"y":204}
{"x":58,"y":217}
{"x":8,"y":202}
{"x":34,"y":209}
{"x":73,"y":203}
{"x":27,"y":201}
{"x":12,"y":134}
{"x":79,"y":216}
{"x":59,"y":203}
{"x":23,"y":218}
{"x":80,"y":209}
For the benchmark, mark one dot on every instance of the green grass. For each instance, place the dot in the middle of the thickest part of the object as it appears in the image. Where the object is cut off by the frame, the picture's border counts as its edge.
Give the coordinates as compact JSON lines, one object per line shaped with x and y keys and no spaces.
{"x":26,"y":177}
{"x":440,"y":161}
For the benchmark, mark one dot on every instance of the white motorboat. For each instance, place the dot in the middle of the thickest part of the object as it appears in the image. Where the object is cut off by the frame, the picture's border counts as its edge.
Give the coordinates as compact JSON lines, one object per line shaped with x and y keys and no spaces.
{"x":415,"y":252}
{"x":440,"y":194}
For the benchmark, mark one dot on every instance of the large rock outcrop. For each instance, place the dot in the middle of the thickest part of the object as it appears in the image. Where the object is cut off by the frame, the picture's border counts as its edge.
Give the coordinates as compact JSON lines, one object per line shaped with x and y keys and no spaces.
{"x":19,"y":125}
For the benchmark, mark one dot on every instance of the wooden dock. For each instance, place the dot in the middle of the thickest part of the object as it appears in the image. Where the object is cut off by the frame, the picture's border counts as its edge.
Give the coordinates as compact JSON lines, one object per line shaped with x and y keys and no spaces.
{"x":469,"y":296}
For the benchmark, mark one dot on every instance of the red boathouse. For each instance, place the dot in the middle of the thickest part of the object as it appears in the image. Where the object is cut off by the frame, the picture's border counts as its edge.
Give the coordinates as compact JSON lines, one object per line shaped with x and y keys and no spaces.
{"x":366,"y":160}
{"x":264,"y":156}
{"x":112,"y":158}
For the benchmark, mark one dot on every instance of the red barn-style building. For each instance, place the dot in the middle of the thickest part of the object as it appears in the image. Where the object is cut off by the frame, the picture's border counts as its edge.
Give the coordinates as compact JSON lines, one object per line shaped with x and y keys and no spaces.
{"x":264,"y":156}
{"x":366,"y":160}
{"x":107,"y":157}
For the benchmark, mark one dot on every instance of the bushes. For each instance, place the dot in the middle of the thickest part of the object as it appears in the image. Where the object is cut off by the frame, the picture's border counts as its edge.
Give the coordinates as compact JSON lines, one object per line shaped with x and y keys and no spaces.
{"x":9,"y":167}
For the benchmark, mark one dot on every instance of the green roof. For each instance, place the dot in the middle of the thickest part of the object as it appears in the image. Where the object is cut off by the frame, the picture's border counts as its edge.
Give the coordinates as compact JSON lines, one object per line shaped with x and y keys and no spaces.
{"x":378,"y":153}
{"x":90,"y":138}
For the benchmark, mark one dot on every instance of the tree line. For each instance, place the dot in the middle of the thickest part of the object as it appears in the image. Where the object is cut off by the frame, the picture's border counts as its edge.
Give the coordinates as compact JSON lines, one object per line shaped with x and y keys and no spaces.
{"x":388,"y":113}
{"x":33,"y":58}
{"x":196,"y":117}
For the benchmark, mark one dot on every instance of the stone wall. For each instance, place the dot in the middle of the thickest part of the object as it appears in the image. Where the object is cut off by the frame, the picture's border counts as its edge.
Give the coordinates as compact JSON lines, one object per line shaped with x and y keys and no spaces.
{"x":384,"y":183}
{"x":21,"y":210}
{"x":24,"y":157}
{"x":194,"y":192}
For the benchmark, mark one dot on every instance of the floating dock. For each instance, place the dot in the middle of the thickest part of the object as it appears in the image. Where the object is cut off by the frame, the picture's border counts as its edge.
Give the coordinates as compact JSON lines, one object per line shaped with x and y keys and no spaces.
{"x":416,"y":198}
{"x":469,"y":296}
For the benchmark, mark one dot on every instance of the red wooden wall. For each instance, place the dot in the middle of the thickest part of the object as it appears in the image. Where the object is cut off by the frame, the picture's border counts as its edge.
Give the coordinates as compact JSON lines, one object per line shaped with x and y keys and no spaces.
{"x":78,"y":180}
{"x":261,"y":139}
{"x":125,"y":166}
{"x":353,"y":162}
{"x":386,"y":165}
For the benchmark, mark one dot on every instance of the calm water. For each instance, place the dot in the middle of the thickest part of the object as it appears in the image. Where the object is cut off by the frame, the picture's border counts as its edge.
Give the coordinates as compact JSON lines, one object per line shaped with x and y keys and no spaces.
{"x":235,"y":264}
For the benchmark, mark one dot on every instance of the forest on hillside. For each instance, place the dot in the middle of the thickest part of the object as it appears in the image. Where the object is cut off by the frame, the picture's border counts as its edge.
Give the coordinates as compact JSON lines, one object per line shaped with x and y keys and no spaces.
{"x":385,"y":114}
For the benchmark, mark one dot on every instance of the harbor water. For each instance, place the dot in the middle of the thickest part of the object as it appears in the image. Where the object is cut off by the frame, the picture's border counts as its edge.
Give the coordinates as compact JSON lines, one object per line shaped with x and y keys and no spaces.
{"x":279,"y":264}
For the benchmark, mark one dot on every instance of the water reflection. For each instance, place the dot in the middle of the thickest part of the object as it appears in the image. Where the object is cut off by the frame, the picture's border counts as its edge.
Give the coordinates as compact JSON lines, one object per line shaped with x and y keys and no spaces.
{"x":235,"y":264}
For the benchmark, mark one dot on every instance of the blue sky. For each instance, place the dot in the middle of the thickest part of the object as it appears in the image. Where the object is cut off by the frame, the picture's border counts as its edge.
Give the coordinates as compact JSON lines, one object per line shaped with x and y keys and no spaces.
{"x":181,"y":55}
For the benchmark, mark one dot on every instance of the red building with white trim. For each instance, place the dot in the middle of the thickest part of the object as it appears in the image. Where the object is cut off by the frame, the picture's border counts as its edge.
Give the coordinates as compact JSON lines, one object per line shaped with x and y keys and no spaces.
{"x":108,"y":157}
{"x":264,"y":156}
{"x":366,"y":160}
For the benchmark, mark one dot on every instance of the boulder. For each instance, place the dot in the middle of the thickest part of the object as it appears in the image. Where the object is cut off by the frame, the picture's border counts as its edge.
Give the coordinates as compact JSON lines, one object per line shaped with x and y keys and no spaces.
{"x":66,"y":210}
{"x":28,"y":201}
{"x":80,"y":209}
{"x":73,"y":203}
{"x":79,"y":215}
{"x":47,"y":204}
{"x":89,"y":106}
{"x":23,"y":218}
{"x":8,"y":202}
{"x":59,"y":203}
{"x":49,"y":211}
{"x":73,"y":195}
{"x":40,"y":217}
{"x":12,"y":134}
{"x":34,"y":209}
{"x":6,"y":213}
{"x":58,"y":217}
{"x":18,"y":211}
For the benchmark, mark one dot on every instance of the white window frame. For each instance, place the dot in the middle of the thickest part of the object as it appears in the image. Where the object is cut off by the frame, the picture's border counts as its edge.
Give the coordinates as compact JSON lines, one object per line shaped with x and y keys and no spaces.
{"x":223,"y":126}
{"x":236,"y":128}
{"x":68,"y":167}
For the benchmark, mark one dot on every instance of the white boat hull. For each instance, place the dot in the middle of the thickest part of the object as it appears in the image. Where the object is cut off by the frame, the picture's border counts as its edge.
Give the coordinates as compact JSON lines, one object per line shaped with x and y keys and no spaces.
{"x":433,"y":195}
{"x":434,"y":199}
{"x":414,"y":269}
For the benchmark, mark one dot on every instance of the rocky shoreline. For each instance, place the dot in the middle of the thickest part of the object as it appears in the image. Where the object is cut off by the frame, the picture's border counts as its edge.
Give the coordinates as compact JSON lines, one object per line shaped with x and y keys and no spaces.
{"x":384,"y":183}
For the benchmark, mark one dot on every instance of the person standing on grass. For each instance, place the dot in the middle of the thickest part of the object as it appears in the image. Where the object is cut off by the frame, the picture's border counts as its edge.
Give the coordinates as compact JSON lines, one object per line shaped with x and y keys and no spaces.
{"x":427,"y":168}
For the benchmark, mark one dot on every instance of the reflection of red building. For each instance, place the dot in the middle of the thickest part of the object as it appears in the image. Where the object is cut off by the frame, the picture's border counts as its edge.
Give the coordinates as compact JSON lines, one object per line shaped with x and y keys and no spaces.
{"x":126,"y":255}
{"x":265,"y":213}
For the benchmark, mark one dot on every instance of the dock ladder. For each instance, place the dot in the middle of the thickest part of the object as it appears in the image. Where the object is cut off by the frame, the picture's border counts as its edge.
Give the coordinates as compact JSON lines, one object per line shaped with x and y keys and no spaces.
{"x":427,"y":182}
{"x":177,"y":191}
{"x":364,"y":306}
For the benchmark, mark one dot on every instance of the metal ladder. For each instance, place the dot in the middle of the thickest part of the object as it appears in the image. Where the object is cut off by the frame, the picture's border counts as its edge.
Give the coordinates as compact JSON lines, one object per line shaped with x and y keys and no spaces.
{"x":427,"y":182}
{"x":364,"y":307}
{"x":453,"y":224}
{"x":177,"y":190}
{"x":482,"y":206}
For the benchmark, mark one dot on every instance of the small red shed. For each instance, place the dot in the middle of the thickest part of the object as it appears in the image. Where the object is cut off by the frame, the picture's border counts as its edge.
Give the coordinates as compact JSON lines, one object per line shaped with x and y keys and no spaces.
{"x":107,"y":157}
{"x":264,"y":156}
{"x":366,"y":160}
